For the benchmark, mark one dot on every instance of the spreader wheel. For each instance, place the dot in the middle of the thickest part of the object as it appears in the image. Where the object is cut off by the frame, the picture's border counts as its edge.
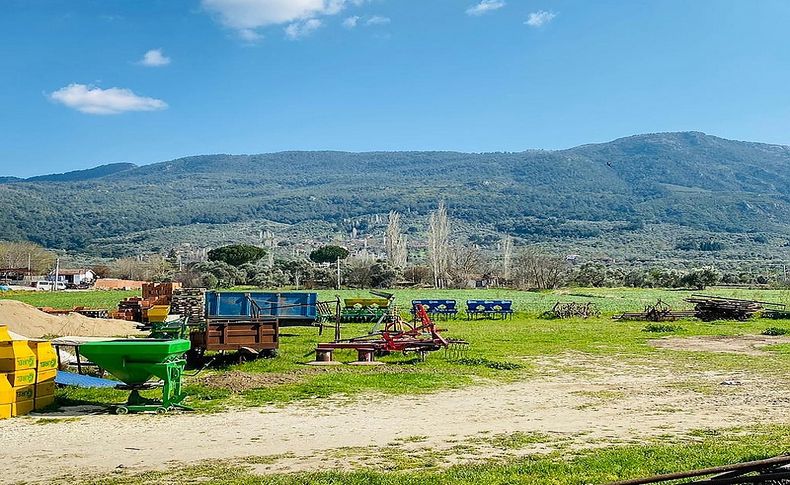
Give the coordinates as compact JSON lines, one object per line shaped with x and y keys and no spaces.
{"x":121,"y":410}
{"x":161,"y":410}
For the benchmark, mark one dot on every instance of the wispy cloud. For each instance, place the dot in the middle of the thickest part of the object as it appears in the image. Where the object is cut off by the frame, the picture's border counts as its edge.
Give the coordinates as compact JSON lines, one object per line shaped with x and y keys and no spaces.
{"x":154,"y":58}
{"x":245,"y":16}
{"x":540,"y":18}
{"x":485,"y":6}
{"x":351,"y":22}
{"x":297,"y":30}
{"x":96,"y":101}
{"x":249,"y":35}
{"x":377,"y":20}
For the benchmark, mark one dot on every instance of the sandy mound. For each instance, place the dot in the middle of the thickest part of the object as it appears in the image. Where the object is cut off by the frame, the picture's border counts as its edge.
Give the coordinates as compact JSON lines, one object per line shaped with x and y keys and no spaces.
{"x":26,"y":320}
{"x":737,"y":344}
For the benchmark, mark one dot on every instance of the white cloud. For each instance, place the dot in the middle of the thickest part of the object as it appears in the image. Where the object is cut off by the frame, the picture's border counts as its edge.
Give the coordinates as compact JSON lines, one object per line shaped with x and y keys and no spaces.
{"x":540,"y":18}
{"x":249,"y":35}
{"x":377,"y":20}
{"x":297,"y":30}
{"x":154,"y":58}
{"x":245,"y":16}
{"x":97,"y":101}
{"x":351,"y":22}
{"x":485,"y":6}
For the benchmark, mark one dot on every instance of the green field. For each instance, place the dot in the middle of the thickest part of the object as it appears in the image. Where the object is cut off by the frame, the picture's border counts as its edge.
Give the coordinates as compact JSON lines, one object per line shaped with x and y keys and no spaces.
{"x":500,"y":351}
{"x":597,"y":466}
{"x":69,"y":299}
{"x":609,"y":300}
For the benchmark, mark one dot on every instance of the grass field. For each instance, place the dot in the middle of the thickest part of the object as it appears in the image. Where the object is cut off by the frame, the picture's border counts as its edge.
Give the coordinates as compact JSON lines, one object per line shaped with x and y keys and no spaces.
{"x":500,"y":351}
{"x":597,"y":466}
{"x":69,"y":299}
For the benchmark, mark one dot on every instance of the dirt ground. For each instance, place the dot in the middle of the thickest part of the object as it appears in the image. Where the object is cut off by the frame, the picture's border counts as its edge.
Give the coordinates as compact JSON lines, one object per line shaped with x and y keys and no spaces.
{"x":605,"y":403}
{"x":735,"y":344}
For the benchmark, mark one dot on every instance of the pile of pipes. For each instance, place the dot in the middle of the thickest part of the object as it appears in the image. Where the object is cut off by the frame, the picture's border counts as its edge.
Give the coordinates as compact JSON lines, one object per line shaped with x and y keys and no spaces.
{"x":710,"y":308}
{"x":573,"y":310}
{"x":660,"y":312}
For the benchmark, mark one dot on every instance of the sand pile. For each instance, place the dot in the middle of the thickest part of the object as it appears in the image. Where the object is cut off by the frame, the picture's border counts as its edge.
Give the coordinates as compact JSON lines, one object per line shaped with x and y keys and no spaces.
{"x":27,"y":320}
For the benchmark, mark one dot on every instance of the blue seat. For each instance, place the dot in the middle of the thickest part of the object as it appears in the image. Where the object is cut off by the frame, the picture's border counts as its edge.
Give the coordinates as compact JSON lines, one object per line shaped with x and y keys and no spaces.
{"x":489,"y":309}
{"x":436,"y":308}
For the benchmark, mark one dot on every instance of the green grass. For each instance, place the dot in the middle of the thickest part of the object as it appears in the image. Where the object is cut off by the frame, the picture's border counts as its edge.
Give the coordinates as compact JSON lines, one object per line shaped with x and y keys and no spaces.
{"x":499,"y":350}
{"x":69,"y":299}
{"x":597,"y":466}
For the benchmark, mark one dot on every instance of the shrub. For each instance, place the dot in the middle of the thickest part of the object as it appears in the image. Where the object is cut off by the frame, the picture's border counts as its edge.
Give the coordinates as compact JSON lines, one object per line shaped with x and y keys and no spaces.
{"x":774,"y":331}
{"x":661,"y":328}
{"x":491,"y":364}
{"x":237,"y":254}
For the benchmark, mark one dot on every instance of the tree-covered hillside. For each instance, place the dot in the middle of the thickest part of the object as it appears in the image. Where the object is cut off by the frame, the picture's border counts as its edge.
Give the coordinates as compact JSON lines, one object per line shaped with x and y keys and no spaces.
{"x":687,"y":179}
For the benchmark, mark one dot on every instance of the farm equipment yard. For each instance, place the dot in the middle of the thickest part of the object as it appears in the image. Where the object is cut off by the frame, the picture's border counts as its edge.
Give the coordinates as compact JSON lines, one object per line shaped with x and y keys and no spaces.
{"x":550,"y":393}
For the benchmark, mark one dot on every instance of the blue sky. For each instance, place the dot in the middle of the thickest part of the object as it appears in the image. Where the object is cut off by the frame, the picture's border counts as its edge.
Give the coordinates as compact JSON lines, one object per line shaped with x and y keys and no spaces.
{"x":91,"y":82}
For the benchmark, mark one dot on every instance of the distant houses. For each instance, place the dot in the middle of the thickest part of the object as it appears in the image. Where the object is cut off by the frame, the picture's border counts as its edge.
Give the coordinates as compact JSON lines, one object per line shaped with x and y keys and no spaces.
{"x":74,"y":277}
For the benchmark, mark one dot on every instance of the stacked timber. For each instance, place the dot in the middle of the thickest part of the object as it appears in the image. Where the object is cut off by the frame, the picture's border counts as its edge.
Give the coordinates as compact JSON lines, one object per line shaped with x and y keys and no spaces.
{"x":191,"y":303}
{"x":660,"y":312}
{"x":710,"y":308}
{"x":573,"y":310}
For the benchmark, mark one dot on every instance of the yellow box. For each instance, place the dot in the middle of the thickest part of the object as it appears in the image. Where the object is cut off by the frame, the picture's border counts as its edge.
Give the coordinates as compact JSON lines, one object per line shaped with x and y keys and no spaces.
{"x":158,"y":313}
{"x":5,"y":411}
{"x":45,"y":389}
{"x":7,"y":394}
{"x":45,"y":354}
{"x":24,"y":393}
{"x":46,"y":375}
{"x":4,"y":335}
{"x":23,"y":377}
{"x":42,"y":402}
{"x":20,"y":408}
{"x":16,"y":355}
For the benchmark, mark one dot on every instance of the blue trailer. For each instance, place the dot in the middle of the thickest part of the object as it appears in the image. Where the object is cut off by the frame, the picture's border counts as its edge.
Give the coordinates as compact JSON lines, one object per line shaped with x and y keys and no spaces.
{"x":290,"y":308}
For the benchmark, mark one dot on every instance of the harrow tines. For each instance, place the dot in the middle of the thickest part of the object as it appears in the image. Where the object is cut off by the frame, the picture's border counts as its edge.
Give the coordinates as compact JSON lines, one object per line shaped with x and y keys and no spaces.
{"x":456,"y":350}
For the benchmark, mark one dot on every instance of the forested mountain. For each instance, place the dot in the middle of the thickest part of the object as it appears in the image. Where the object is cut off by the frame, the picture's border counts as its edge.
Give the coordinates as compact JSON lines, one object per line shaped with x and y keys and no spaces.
{"x":687,"y":179}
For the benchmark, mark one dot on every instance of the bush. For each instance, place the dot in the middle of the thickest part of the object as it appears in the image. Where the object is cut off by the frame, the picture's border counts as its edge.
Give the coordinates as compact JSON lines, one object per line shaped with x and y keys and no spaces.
{"x":775,"y":331}
{"x":237,"y":254}
{"x":491,"y":364}
{"x":661,"y":328}
{"x":328,"y":254}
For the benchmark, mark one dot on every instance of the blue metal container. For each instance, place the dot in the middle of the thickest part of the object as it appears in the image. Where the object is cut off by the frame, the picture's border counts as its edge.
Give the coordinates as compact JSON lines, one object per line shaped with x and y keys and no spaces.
{"x":297,"y":306}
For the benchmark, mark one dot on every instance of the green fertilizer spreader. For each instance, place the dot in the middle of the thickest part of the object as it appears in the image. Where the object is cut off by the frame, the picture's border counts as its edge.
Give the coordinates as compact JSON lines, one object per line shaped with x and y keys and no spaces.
{"x":135,"y":362}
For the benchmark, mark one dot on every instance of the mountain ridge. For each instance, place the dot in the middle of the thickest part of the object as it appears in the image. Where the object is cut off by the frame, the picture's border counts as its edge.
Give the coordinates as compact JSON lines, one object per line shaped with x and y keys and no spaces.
{"x":688,"y":179}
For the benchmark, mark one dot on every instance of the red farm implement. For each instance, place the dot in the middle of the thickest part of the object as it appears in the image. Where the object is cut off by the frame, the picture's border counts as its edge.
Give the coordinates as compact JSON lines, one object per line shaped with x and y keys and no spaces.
{"x":398,"y":335}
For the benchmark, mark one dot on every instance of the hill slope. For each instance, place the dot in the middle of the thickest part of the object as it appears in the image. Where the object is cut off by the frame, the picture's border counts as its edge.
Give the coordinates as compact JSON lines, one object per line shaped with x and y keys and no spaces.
{"x":687,"y":179}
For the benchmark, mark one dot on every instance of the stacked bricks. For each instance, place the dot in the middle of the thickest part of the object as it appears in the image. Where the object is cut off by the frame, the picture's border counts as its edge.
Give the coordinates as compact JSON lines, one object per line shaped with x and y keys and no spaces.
{"x":135,"y":309}
{"x":190,"y":302}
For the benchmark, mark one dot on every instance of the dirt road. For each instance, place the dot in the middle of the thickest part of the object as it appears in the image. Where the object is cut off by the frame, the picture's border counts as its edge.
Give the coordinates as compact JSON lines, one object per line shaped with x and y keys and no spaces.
{"x":609,"y":403}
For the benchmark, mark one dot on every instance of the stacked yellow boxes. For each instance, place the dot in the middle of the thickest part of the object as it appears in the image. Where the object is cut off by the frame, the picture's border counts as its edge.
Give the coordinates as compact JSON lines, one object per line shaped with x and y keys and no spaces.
{"x":46,"y":369}
{"x":17,"y":376}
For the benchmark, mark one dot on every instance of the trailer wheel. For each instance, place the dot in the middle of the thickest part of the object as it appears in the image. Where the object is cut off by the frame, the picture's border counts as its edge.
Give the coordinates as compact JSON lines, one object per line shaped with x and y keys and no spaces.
{"x":121,"y":410}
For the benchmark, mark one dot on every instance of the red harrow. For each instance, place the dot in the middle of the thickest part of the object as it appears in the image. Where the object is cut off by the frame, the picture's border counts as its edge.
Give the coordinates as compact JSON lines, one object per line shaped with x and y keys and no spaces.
{"x":398,"y":335}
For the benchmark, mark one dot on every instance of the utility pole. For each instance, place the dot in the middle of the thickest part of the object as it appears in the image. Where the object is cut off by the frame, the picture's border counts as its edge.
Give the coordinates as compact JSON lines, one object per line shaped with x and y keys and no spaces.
{"x":57,"y":274}
{"x":338,"y":273}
